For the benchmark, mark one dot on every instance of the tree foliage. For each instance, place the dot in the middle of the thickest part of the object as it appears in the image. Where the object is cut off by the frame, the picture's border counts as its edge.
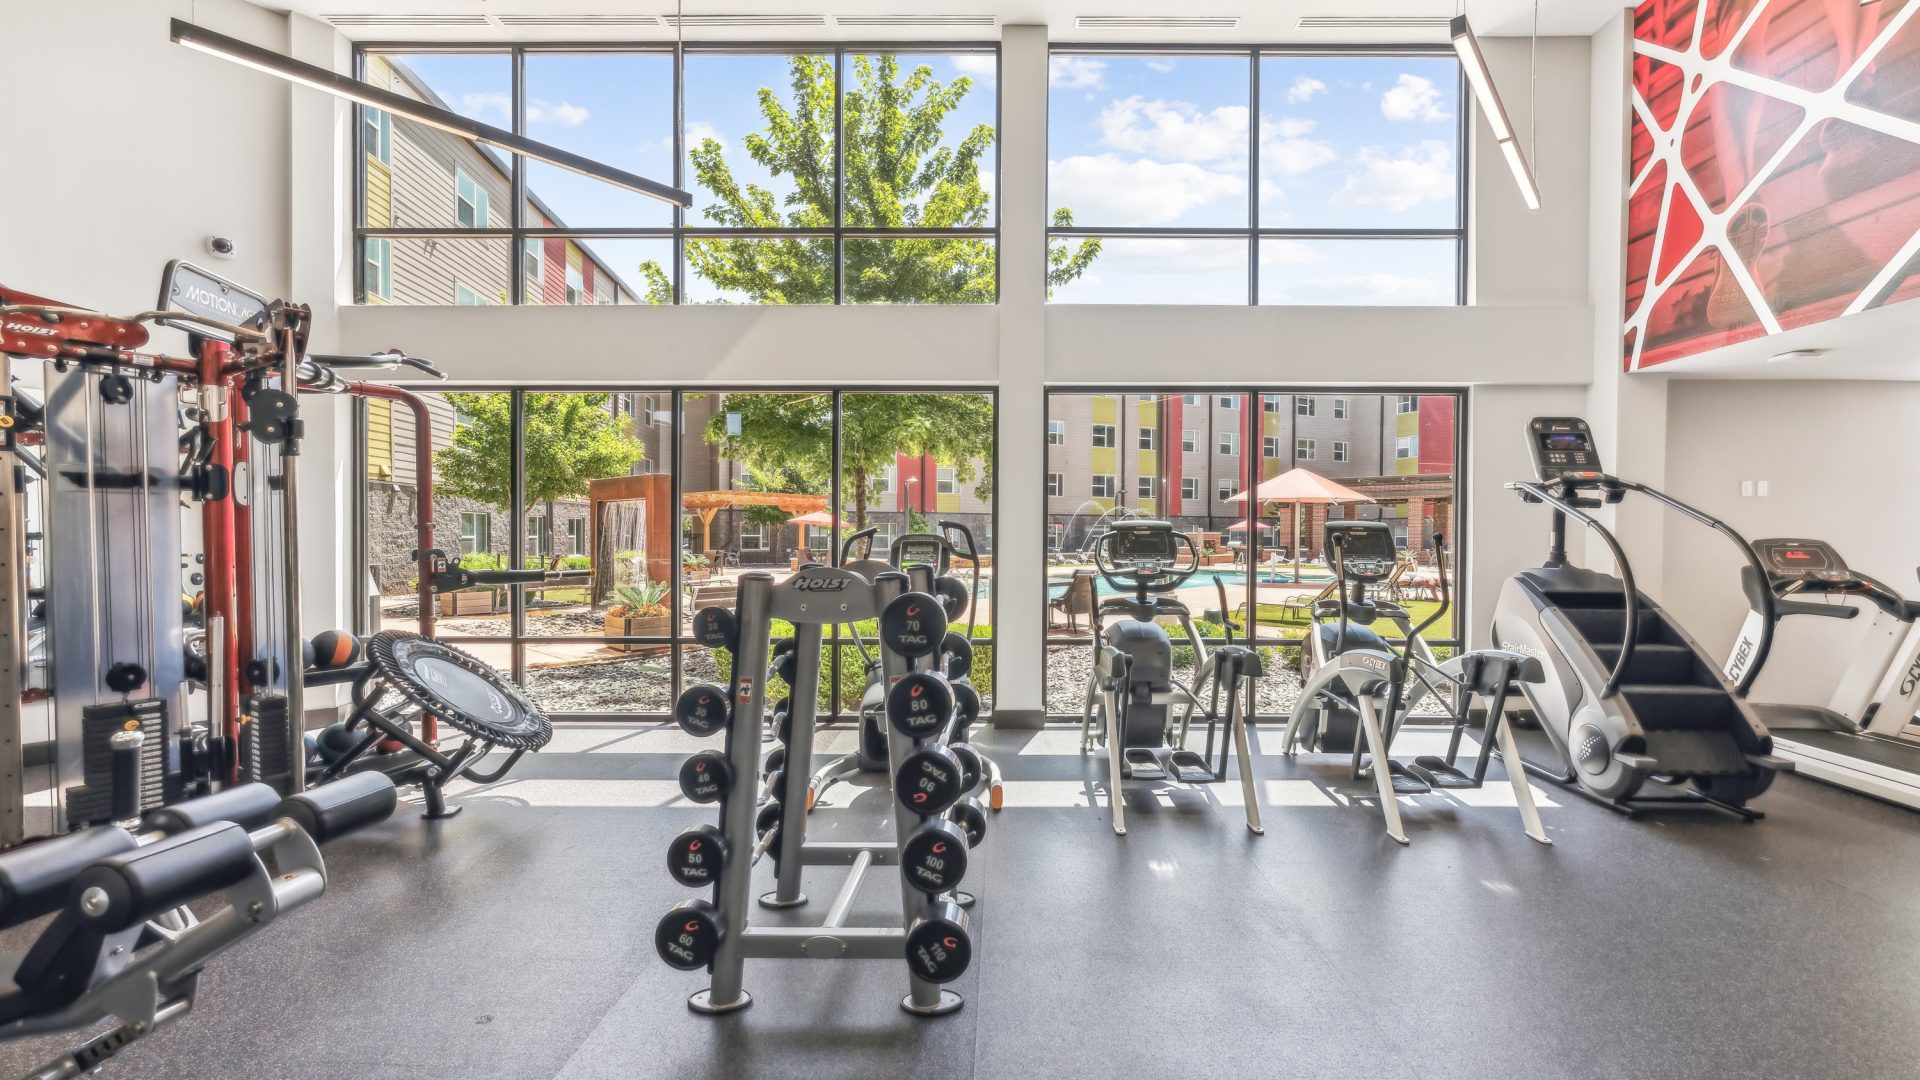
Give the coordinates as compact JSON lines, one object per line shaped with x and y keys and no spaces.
{"x":898,"y":176}
{"x":570,"y":439}
{"x":788,"y":438}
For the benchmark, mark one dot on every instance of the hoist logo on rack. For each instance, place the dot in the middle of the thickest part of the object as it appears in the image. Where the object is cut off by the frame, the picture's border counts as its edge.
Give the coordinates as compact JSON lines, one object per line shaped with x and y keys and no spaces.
{"x":29,"y":328}
{"x":820,"y":584}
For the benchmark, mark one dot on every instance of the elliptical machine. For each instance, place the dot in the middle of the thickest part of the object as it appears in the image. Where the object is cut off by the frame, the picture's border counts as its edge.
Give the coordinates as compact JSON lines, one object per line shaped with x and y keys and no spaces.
{"x":937,"y":552}
{"x":1355,"y":695}
{"x":1132,"y":682}
{"x":1628,"y":696}
{"x":1864,"y":737}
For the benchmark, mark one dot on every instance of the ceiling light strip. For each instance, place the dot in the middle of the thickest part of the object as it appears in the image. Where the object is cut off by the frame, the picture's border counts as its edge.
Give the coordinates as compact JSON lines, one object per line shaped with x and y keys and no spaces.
{"x":1471,"y":59}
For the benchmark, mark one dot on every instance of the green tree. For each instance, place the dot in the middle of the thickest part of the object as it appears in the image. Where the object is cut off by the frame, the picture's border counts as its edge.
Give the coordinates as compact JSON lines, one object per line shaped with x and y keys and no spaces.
{"x":898,"y":176}
{"x":570,"y":439}
{"x":789,"y":438}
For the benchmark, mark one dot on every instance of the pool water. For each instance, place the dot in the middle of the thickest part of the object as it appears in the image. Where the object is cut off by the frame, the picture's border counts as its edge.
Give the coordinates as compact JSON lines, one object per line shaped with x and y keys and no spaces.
{"x":1234,"y":580}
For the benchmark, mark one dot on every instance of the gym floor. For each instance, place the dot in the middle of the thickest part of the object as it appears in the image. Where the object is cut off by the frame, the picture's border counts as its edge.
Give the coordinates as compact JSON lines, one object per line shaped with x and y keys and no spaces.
{"x":515,"y":941}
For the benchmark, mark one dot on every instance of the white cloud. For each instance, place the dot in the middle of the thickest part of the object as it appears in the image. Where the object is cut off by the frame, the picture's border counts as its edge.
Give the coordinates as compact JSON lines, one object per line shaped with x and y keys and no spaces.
{"x":565,"y":114}
{"x":1284,"y":150}
{"x":1381,"y":289}
{"x":1418,"y":174}
{"x":978,"y":66}
{"x":698,"y":131}
{"x":1174,"y":130}
{"x":1110,"y":190}
{"x":1413,"y":97}
{"x":486,"y":102}
{"x":1303,"y":89}
{"x":1164,"y":67}
{"x":1291,"y":127}
{"x":1289,"y":253}
{"x":1076,"y":73}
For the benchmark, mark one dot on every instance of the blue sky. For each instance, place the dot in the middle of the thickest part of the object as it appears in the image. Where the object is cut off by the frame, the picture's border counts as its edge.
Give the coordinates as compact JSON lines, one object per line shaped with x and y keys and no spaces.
{"x":1157,"y":140}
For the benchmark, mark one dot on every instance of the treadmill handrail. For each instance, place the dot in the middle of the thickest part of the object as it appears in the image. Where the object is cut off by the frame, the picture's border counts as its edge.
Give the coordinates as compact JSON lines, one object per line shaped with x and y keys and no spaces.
{"x":1627,"y":639}
{"x":1768,"y":620}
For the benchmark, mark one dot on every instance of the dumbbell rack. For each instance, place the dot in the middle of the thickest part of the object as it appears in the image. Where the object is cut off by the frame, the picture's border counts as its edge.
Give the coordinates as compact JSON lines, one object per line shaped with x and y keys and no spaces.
{"x":812,"y":599}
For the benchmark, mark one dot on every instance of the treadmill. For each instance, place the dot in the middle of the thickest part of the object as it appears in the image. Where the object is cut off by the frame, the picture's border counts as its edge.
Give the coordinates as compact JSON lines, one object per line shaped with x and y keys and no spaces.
{"x":1864,"y":738}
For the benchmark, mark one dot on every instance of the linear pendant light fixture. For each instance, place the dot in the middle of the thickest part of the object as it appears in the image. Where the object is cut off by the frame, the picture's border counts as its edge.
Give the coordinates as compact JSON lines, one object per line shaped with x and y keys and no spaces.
{"x":1475,"y":64}
{"x":318,"y":78}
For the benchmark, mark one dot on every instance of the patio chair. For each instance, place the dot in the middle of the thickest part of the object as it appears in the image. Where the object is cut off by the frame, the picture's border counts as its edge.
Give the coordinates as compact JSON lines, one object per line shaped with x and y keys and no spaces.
{"x":1393,"y":588}
{"x":712,"y":593}
{"x":1078,"y":600}
{"x":1301,"y":604}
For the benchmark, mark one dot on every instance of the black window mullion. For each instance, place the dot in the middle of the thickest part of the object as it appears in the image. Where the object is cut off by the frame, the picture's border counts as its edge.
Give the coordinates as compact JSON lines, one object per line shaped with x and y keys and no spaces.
{"x":516,"y":217}
{"x":679,"y":181}
{"x":839,"y":196}
{"x":1253,"y":180}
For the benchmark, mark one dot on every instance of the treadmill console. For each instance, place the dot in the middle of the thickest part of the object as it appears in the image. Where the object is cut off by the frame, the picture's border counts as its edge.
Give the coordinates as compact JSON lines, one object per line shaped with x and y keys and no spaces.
{"x":1563,"y":449}
{"x":1792,"y":559}
{"x":1367,"y":550}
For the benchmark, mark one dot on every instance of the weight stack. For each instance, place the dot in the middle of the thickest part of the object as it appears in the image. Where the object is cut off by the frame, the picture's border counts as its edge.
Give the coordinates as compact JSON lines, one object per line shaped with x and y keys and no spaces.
{"x":91,"y":802}
{"x":265,"y":754}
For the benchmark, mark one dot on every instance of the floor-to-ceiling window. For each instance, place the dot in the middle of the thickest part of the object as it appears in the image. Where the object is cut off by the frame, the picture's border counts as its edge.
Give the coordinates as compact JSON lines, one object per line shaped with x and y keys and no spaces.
{"x":1223,"y":467}
{"x":1255,"y":176}
{"x":820,"y":175}
{"x":648,"y":504}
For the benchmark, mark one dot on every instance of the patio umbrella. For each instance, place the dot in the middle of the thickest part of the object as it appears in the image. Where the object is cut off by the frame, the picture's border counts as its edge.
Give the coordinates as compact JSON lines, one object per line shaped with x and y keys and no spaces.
{"x":816,"y":517}
{"x":1297,"y":488}
{"x":1241,"y":526}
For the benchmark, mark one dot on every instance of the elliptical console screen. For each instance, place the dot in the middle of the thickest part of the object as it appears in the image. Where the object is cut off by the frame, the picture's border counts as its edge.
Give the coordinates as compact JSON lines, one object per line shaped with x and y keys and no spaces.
{"x":921,"y":553}
{"x":1141,"y":545}
{"x":1367,"y":550}
{"x":1562,"y":446}
{"x":1791,"y":558}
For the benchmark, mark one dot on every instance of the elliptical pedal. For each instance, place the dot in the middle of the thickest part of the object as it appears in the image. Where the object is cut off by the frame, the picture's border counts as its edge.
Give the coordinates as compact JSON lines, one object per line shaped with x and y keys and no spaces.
{"x":1189,"y":767}
{"x":1437,"y":773}
{"x":1405,"y":780}
{"x":1148,"y":758}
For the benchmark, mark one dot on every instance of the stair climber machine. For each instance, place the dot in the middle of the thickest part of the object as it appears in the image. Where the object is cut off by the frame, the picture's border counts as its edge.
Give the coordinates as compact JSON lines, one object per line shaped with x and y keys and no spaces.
{"x":1358,"y":691}
{"x":1132,"y":686}
{"x":1628,"y":696}
{"x":937,"y":551}
{"x":1864,"y":737}
{"x":936,"y":824}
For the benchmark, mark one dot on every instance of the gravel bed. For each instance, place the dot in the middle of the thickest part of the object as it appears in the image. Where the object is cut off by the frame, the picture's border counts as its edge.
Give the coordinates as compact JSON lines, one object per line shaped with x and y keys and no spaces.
{"x":638,"y":685}
{"x":539,"y":624}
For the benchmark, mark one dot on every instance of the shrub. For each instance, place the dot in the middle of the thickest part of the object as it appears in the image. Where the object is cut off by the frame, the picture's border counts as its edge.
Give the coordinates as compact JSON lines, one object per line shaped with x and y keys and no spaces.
{"x":853,"y":667}
{"x":575,"y":562}
{"x":640,"y":601}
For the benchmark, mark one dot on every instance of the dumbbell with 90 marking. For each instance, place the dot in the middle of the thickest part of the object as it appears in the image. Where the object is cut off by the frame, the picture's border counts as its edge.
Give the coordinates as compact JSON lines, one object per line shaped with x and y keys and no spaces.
{"x":930,"y":780}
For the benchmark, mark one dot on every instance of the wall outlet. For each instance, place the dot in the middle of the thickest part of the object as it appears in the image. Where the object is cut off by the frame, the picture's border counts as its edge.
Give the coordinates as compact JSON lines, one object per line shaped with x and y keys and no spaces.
{"x":1746,"y":489}
{"x":1762,"y":488}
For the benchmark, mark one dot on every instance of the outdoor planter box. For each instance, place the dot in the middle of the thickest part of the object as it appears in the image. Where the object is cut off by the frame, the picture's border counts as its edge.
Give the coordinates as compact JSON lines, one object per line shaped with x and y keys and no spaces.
{"x":468,"y":602}
{"x":638,"y":626}
{"x":697,"y":573}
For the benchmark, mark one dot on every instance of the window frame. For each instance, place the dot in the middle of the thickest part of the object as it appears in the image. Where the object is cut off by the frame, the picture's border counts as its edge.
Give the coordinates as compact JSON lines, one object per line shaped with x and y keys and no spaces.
{"x":1189,"y":440}
{"x":946,"y":481}
{"x":1190,"y":489}
{"x":1339,"y":408}
{"x":1096,"y":481}
{"x":1342,"y":450}
{"x":1056,"y":433}
{"x":384,"y":288}
{"x":1146,"y":487}
{"x":482,"y":218}
{"x":1056,"y":485}
{"x":1305,"y":405}
{"x":1306,"y":449}
{"x":1270,"y":446}
{"x":1146,"y":439}
{"x":1112,"y":436}
{"x":482,"y":533}
{"x":1253,"y":232}
{"x":1227,"y":445}
{"x":519,"y":229}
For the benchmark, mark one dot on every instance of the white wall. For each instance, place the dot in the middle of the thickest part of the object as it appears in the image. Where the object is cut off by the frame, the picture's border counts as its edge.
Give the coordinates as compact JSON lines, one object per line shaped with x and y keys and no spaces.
{"x":1526,"y":349}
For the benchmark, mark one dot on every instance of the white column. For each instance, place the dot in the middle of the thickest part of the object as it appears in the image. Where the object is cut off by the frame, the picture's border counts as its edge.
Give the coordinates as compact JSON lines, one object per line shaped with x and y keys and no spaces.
{"x":1019,"y":620}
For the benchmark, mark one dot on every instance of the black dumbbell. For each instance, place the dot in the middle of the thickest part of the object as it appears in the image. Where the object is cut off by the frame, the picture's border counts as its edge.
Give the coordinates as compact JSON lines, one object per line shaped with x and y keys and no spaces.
{"x":934,"y":857}
{"x":920,"y":704}
{"x":953,"y":595}
{"x":956,"y":655}
{"x":775,"y":760}
{"x":695,"y":857}
{"x":972,"y":819}
{"x":690,"y":934}
{"x":706,"y":777}
{"x":929,"y":780}
{"x":703,"y":710}
{"x":768,"y":817}
{"x":782,"y":714}
{"x":716,"y":628}
{"x":913,"y":624}
{"x":938,"y":945}
{"x":971,"y":765}
{"x":966,"y":709}
{"x":784,"y":663}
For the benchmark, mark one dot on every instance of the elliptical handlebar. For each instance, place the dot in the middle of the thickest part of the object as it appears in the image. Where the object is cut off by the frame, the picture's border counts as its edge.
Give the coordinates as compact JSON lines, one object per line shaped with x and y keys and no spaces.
{"x":847,"y":543}
{"x":1147,"y":576}
{"x":1440,"y":571}
{"x":1753,"y":560}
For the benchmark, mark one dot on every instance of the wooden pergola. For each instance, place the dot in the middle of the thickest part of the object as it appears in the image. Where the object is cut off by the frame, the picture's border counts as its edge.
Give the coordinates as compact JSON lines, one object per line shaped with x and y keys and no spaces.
{"x":708,"y":505}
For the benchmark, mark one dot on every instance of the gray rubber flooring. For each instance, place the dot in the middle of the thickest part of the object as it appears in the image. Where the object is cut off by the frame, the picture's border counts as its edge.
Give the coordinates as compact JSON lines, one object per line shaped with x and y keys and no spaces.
{"x":515,"y":941}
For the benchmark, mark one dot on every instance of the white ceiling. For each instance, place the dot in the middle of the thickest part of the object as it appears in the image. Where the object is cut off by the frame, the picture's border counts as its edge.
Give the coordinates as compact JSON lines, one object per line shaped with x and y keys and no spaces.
{"x":1262,"y":21}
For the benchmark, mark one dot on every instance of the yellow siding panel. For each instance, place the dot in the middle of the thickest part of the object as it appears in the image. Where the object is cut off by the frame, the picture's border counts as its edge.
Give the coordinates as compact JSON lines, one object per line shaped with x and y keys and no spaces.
{"x":379,"y":194}
{"x":379,"y":439}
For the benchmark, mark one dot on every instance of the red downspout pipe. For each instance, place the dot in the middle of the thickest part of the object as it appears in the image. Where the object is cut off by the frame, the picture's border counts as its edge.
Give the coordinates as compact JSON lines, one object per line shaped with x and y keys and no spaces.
{"x":216,"y":525}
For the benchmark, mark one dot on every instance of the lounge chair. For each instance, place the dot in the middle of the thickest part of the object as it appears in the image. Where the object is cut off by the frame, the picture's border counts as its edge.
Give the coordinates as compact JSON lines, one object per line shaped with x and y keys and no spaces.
{"x":1078,"y":600}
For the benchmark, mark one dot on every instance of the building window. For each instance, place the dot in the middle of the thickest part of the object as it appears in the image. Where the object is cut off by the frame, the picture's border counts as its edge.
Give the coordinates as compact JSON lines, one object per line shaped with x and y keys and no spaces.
{"x":1406,"y":447}
{"x":1056,"y":534}
{"x":1190,"y":441}
{"x":465,"y":297}
{"x":1304,"y":406}
{"x":1406,"y":403}
{"x":1223,"y":490}
{"x":1146,"y":438}
{"x":627,"y":403}
{"x":1190,"y":399}
{"x":537,"y":536}
{"x":535,"y":256}
{"x":1143,"y":486}
{"x":1103,"y":486}
{"x":1303,"y":449}
{"x":1190,"y":487}
{"x":576,"y":284}
{"x":880,"y":484}
{"x":1339,"y":450}
{"x":1339,"y":408}
{"x":1229,"y":443}
{"x":945,"y":483}
{"x":753,"y":537}
{"x":380,"y":268}
{"x":1270,"y":446}
{"x":378,"y":134}
{"x":1056,"y":484}
{"x":1228,"y":401}
{"x":476,"y":532}
{"x":469,"y":201}
{"x":1103,"y":434}
{"x":1270,"y":403}
{"x":577,"y":535}
{"x":1148,"y":399}
{"x":1057,"y":432}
